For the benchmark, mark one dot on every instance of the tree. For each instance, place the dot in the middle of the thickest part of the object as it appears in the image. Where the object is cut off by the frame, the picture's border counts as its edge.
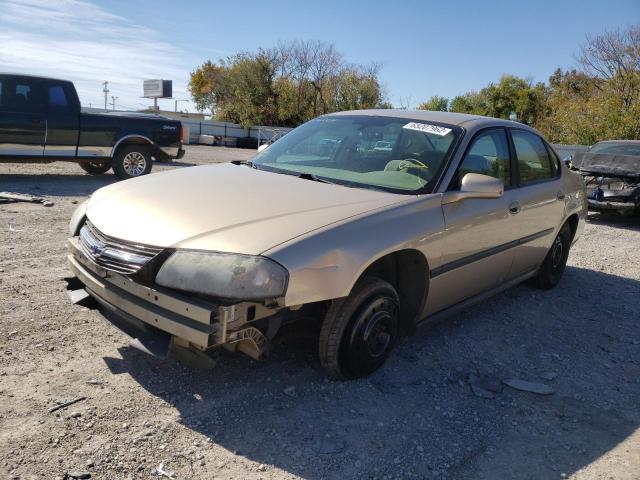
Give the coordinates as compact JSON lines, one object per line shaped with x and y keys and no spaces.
{"x":285,"y":85}
{"x":614,"y":59}
{"x":436,"y":103}
{"x":510,"y":95}
{"x":470,"y":102}
{"x":600,"y":100}
{"x":206,"y":85}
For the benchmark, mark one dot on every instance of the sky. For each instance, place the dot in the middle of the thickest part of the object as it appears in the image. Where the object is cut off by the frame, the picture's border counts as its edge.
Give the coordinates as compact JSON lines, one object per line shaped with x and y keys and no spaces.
{"x":425,"y":47}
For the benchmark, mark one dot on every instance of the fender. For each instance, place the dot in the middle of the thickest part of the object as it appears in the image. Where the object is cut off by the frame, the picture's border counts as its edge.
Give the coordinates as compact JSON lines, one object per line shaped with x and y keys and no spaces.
{"x":325,"y":264}
{"x":131,"y":135}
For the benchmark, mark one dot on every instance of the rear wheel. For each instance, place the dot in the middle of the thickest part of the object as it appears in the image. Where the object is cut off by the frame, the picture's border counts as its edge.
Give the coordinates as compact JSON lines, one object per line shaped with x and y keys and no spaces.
{"x":95,"y":168}
{"x":555,"y":262}
{"x":360,"y":331}
{"x":132,"y":161}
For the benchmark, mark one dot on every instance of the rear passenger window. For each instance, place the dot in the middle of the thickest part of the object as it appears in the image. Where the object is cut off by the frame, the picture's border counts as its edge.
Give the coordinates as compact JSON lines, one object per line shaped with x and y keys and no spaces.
{"x":488,"y":155}
{"x":534,"y":161}
{"x":57,"y":99}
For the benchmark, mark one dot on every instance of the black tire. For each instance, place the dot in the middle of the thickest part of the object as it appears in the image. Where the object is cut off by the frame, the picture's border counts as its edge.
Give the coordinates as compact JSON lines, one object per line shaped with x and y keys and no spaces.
{"x":132,"y":161}
{"x":554,"y":263}
{"x":359,"y":331}
{"x":95,"y":168}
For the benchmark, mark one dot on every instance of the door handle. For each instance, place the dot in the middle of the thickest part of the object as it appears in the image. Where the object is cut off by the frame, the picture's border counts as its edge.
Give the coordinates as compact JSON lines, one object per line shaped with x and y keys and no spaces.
{"x":35,"y":120}
{"x":514,"y":208}
{"x":560,"y":196}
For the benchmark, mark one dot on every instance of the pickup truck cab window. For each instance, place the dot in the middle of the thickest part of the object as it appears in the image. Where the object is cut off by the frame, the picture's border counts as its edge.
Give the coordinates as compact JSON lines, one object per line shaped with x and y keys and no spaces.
{"x":57,"y":99}
{"x":20,"y":96}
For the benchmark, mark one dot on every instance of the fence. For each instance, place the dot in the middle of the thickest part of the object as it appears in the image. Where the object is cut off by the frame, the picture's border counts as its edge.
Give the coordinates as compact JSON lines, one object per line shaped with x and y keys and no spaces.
{"x":230,"y":130}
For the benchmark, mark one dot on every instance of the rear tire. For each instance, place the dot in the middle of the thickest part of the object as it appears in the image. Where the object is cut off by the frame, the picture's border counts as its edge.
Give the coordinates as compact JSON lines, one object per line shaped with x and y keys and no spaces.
{"x":359,"y":331}
{"x":95,"y":168}
{"x":555,"y":262}
{"x":132,"y":161}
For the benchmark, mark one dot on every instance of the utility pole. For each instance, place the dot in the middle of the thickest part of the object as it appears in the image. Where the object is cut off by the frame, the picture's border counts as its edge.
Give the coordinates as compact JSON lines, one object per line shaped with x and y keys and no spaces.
{"x":176,"y":105}
{"x":113,"y":102}
{"x":105,"y":89}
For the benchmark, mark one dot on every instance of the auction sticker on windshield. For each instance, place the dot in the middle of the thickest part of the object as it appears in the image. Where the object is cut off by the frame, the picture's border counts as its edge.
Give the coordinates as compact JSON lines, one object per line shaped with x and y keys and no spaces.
{"x":427,"y":128}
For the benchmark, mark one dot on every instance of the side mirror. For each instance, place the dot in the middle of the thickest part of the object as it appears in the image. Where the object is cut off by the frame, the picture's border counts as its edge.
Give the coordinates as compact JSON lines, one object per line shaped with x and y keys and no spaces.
{"x":567,"y":160}
{"x":262,"y":147}
{"x":475,"y":185}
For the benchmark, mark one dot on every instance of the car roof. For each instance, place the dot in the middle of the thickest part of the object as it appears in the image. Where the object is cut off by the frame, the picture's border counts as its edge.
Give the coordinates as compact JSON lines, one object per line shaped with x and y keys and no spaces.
{"x":450,"y":118}
{"x":38,"y":77}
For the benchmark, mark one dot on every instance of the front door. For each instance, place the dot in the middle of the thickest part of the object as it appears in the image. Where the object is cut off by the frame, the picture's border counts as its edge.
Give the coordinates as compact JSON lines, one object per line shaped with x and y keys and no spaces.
{"x":22,"y":123}
{"x":479,"y":233}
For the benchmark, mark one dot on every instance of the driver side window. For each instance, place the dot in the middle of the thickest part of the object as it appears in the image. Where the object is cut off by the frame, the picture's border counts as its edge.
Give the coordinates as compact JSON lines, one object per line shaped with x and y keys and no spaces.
{"x":488,"y":155}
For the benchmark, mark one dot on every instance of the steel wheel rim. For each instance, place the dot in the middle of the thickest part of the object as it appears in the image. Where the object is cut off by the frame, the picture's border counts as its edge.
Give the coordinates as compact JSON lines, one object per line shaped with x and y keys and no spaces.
{"x":557,"y":253}
{"x":371,"y":337}
{"x":134,"y":163}
{"x":377,"y":334}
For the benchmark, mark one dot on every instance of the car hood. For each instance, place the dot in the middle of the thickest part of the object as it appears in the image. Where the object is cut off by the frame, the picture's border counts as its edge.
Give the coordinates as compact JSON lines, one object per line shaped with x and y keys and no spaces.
{"x":225,"y":207}
{"x":607,"y":164}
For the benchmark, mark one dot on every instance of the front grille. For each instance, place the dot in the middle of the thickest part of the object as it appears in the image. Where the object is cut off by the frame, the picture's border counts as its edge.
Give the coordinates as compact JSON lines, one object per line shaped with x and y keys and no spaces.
{"x":114,"y":254}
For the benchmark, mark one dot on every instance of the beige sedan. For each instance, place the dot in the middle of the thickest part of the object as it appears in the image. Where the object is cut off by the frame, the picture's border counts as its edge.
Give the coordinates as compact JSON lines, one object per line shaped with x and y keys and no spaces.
{"x":327,"y":226}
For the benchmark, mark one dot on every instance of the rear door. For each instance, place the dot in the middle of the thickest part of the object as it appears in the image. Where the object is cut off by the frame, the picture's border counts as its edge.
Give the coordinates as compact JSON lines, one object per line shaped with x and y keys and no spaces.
{"x":479,"y":233}
{"x":22,"y":121}
{"x":62,"y":119}
{"x":541,"y":199}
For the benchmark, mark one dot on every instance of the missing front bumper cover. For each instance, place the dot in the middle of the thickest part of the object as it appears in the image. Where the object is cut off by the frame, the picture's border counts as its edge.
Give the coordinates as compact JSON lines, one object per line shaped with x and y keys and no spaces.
{"x":156,"y":319}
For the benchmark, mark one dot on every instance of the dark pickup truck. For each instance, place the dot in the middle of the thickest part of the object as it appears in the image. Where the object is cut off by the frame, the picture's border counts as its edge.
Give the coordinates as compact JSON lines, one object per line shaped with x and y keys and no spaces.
{"x":41,"y":121}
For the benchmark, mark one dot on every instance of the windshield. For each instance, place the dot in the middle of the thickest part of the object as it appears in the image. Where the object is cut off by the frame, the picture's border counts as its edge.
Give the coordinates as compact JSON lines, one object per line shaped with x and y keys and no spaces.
{"x":616,"y":148}
{"x":388,"y":153}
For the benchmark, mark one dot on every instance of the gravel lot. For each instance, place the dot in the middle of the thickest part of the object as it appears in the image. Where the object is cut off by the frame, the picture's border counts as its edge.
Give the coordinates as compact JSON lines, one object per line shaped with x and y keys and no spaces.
{"x":417,"y":418}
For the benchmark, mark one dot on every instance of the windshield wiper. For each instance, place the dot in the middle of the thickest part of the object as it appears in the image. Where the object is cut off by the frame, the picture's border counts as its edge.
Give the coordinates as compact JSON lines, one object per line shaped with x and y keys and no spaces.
{"x":311,"y":176}
{"x":248,"y":163}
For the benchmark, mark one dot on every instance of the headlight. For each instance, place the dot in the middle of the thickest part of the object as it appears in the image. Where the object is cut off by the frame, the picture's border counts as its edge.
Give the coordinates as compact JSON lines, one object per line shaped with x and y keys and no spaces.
{"x":76,"y":218}
{"x":224,"y":275}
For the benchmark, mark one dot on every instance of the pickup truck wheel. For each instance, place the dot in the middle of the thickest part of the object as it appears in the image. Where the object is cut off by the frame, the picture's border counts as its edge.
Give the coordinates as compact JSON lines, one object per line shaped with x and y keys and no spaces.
{"x":554,"y":263}
{"x":95,"y":168}
{"x":132,"y":161}
{"x":359,"y":331}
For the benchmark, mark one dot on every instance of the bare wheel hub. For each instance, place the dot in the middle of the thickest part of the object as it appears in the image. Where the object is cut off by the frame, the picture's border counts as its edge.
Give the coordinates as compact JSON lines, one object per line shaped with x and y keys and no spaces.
{"x":371,"y":337}
{"x":557,"y":253}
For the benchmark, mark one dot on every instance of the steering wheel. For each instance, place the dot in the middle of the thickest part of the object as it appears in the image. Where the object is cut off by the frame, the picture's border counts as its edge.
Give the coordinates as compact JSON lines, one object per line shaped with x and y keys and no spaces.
{"x":413,"y":161}
{"x":420,"y":169}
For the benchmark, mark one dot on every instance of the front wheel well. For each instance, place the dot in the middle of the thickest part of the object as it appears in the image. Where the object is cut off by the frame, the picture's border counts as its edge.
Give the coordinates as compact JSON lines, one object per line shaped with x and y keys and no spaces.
{"x":408,"y":272}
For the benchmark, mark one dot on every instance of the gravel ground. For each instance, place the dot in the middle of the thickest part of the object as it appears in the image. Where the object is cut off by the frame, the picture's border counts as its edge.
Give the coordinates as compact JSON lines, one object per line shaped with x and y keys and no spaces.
{"x":417,"y":418}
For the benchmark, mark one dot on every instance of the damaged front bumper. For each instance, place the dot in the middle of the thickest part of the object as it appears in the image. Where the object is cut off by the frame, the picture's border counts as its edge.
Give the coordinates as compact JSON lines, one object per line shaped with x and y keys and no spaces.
{"x":158,"y":318}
